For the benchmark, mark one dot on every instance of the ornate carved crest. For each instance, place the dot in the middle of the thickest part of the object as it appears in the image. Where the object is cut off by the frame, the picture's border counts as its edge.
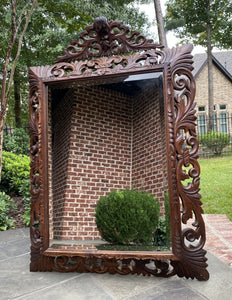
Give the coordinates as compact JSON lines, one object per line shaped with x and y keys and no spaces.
{"x":106,"y":38}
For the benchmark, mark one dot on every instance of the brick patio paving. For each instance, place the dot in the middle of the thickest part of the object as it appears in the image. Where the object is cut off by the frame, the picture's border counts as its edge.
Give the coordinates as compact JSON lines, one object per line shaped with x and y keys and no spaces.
{"x":219,"y":237}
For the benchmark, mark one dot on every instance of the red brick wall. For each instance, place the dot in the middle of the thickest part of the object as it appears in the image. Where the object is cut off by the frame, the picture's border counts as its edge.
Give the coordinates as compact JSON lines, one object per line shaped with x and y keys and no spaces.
{"x":99,"y":159}
{"x":147,"y":155}
{"x":61,"y":129}
{"x":102,"y":140}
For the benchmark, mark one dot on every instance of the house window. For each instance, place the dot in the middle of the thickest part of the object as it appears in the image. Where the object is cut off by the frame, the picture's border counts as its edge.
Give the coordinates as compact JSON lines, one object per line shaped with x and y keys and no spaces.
{"x":222,"y":106}
{"x":214,"y":107}
{"x":202,"y":124}
{"x":223,"y":123}
{"x":201,"y":108}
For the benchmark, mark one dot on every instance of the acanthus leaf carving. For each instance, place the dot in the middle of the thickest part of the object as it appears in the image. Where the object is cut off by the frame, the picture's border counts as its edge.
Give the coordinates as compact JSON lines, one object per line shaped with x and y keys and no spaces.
{"x":193,"y":265}
{"x":36,"y":222}
{"x":189,"y":241}
{"x":104,"y":65}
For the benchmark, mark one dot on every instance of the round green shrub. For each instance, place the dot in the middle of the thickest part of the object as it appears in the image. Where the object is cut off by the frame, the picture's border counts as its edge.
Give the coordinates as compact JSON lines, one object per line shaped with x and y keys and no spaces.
{"x":214,"y":141}
{"x":129,"y":216}
{"x":15,"y":169}
{"x":16,"y":179}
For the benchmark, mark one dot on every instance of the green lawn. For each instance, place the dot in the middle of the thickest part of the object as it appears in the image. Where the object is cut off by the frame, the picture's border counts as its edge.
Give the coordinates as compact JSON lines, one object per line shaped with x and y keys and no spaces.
{"x":216,"y":185}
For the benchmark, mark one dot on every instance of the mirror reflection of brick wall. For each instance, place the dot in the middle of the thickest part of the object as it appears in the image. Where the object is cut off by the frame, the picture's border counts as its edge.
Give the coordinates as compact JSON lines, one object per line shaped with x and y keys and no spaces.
{"x":101,"y":139}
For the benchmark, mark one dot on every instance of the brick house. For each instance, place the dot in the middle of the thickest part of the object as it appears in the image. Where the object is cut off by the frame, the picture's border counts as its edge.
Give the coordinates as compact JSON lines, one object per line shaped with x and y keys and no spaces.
{"x":222,"y":82}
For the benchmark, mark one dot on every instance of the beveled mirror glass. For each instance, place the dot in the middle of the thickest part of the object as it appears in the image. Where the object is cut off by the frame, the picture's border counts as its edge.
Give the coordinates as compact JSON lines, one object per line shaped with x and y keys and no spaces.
{"x":102,"y":137}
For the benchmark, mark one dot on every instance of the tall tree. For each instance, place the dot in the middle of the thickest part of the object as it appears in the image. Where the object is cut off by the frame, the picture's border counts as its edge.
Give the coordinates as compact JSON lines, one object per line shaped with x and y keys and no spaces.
{"x":204,"y":22}
{"x":54,"y":24}
{"x":160,"y":23}
{"x":20,"y":18}
{"x":17,"y":98}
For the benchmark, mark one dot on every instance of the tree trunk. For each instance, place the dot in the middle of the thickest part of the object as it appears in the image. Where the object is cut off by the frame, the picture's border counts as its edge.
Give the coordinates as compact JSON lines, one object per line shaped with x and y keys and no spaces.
{"x":6,"y":81}
{"x":210,"y":79}
{"x":17,"y":106}
{"x":1,"y":141}
{"x":160,"y":23}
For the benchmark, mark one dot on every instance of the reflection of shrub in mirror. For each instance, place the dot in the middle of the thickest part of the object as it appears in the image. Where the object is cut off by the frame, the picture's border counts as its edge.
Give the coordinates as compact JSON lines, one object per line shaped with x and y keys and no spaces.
{"x":167,"y":218}
{"x":128,"y":216}
{"x":162,"y":235}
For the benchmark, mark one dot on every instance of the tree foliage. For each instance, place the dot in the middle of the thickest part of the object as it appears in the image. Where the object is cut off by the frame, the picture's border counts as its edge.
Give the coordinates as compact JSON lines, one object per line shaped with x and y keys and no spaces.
{"x":18,"y":19}
{"x":15,"y":169}
{"x":6,"y":203}
{"x":189,"y":19}
{"x":204,"y":22}
{"x":18,"y":142}
{"x":54,"y":24}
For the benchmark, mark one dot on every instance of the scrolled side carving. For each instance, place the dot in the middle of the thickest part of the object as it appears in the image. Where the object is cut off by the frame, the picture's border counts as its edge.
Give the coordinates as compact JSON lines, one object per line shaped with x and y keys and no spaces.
{"x":188,"y":241}
{"x":36,"y":172}
{"x":34,"y":155}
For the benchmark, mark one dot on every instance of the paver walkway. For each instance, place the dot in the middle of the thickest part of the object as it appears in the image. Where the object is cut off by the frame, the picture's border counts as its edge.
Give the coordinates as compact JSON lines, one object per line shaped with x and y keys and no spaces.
{"x":219,"y":237}
{"x":17,"y":283}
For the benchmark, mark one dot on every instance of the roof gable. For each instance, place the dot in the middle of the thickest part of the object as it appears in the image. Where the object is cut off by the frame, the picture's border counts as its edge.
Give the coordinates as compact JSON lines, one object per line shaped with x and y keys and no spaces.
{"x":222,"y":60}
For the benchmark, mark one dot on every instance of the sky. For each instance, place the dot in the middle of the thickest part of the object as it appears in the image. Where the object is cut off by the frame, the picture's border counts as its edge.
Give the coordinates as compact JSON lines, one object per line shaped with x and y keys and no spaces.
{"x":171,"y":39}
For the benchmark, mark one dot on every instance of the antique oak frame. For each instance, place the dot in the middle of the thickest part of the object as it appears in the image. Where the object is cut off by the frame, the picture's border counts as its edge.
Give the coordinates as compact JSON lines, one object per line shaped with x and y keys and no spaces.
{"x":109,"y":49}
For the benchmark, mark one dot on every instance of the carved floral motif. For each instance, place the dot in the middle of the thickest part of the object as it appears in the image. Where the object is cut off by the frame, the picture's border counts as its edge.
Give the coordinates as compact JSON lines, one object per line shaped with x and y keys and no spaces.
{"x":112,"y":265}
{"x":188,"y":242}
{"x":34,"y":107}
{"x":106,"y":38}
{"x":102,"y":66}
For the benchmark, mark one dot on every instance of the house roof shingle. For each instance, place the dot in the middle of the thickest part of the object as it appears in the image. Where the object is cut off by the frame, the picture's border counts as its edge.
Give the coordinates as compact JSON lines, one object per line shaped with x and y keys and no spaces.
{"x":222,"y":59}
{"x":225,"y":59}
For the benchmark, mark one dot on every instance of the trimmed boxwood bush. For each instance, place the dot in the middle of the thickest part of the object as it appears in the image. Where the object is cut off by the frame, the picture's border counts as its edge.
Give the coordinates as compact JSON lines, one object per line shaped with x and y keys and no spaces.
{"x":214,"y":141}
{"x":129,"y":216}
{"x":15,"y":169}
{"x":16,"y":179}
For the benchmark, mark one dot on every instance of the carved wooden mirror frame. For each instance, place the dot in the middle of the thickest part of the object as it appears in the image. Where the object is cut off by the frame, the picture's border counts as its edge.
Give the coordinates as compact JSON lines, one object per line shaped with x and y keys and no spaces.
{"x":108,"y":49}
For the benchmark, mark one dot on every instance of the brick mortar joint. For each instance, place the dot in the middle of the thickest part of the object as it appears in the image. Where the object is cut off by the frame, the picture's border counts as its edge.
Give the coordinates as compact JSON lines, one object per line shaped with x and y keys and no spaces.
{"x":215,"y":232}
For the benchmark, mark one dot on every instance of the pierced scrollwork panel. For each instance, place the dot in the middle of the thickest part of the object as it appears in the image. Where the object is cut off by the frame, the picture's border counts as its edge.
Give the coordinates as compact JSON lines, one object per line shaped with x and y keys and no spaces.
{"x":35,"y":144}
{"x":37,"y":221}
{"x":106,"y":38}
{"x":92,"y":264}
{"x":104,"y":65}
{"x":188,"y":241}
